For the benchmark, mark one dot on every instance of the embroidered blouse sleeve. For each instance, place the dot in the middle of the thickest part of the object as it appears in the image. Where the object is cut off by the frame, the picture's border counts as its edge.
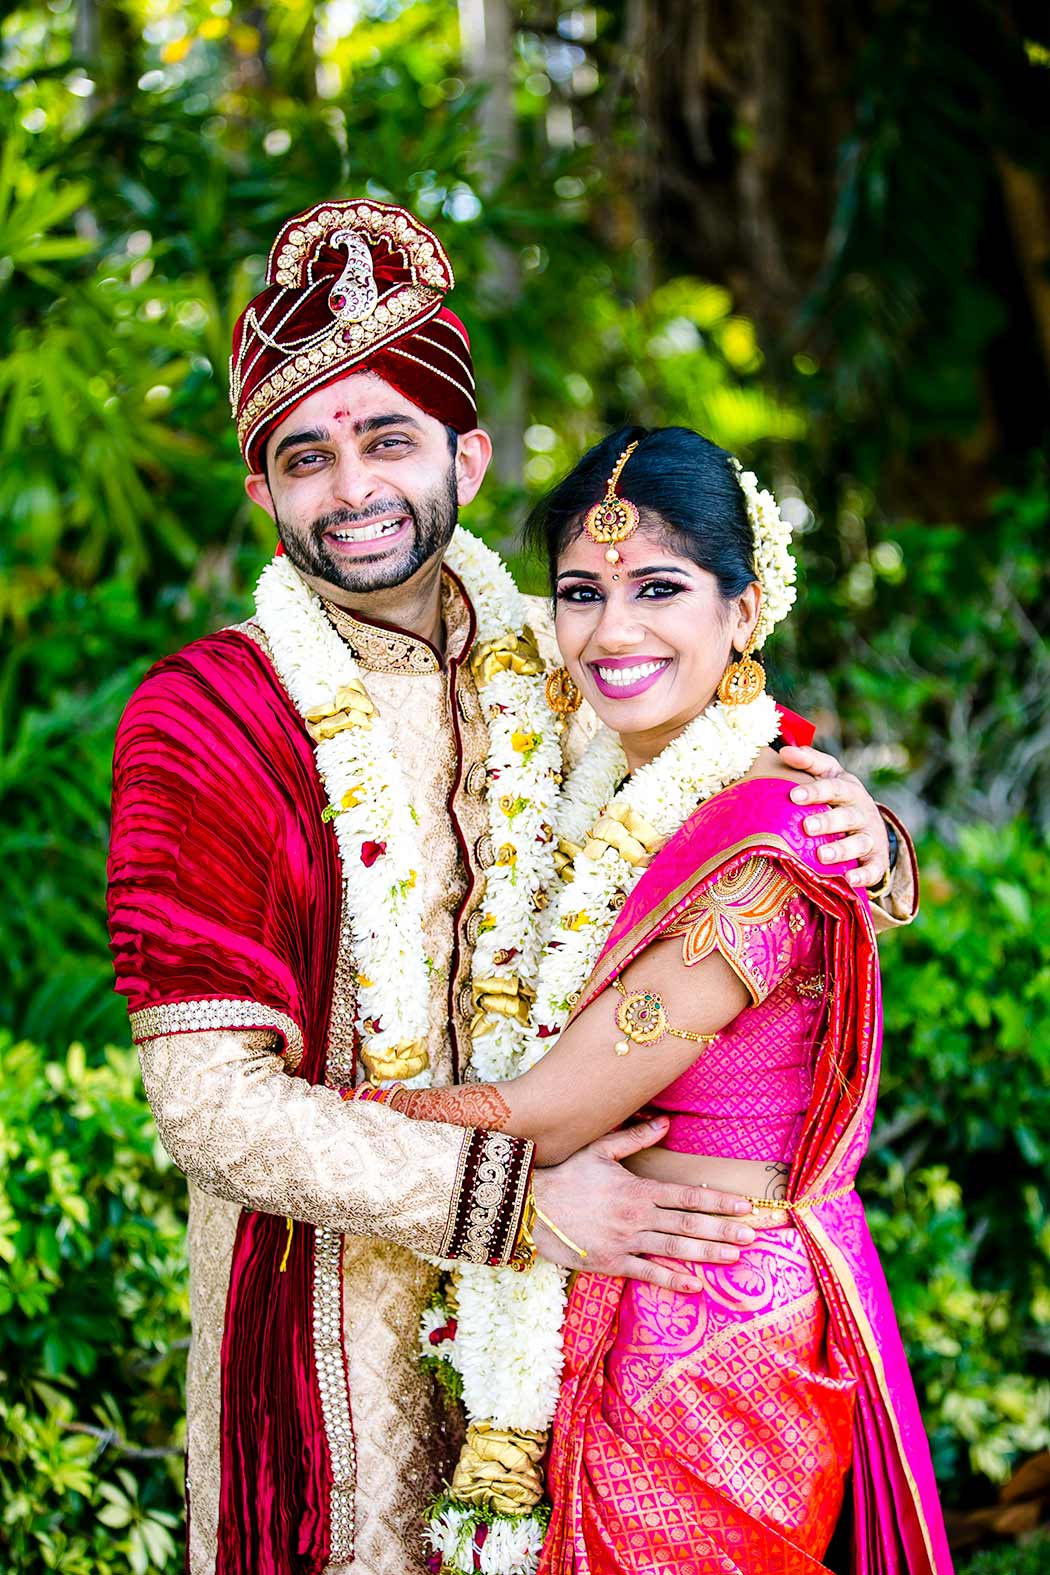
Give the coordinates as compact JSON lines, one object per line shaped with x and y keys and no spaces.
{"x":754,"y":916}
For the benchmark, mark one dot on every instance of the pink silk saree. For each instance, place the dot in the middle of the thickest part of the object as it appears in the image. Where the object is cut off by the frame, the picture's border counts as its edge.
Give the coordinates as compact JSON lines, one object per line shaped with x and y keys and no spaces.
{"x":732,"y":1461}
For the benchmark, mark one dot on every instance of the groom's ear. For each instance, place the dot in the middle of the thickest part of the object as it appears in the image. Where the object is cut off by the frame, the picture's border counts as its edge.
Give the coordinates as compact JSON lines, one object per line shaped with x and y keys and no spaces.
{"x":258,"y":489}
{"x":473,"y":453}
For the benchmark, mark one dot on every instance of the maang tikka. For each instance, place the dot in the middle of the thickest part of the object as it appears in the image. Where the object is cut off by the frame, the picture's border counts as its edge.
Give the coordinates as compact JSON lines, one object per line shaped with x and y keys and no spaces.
{"x":613,"y":519}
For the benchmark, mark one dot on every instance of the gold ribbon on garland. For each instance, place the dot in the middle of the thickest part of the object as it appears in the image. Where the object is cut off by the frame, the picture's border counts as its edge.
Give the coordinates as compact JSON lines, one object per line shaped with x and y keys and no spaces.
{"x":513,"y":653}
{"x":395,"y":1065}
{"x":622,"y":828}
{"x":565,"y":857}
{"x":505,"y":996}
{"x":352,"y":707}
{"x":499,"y":1466}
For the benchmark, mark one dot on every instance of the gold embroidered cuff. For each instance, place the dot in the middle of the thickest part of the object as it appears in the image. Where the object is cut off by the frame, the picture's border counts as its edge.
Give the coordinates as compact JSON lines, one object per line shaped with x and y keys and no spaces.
{"x":489,"y":1202}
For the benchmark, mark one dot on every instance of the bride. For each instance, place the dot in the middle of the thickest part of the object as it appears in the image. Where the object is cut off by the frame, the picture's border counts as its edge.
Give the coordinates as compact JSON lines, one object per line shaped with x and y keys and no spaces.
{"x":703,"y":963}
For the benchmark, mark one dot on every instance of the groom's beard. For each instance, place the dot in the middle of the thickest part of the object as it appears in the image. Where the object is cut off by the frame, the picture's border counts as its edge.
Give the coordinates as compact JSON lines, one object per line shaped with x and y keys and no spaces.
{"x":433,"y":517}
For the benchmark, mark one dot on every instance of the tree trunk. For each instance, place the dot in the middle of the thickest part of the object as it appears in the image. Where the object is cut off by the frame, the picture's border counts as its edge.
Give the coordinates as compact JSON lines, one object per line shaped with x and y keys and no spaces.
{"x":487,"y":38}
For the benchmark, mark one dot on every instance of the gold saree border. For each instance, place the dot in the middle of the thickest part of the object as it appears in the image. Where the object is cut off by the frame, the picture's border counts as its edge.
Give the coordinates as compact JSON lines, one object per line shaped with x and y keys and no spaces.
{"x":847,"y":1283}
{"x":226,"y":1011}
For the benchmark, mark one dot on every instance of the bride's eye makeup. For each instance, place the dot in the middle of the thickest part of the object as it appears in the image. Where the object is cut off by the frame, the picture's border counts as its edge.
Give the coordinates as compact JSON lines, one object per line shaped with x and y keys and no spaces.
{"x":578,"y":593}
{"x":581,"y":593}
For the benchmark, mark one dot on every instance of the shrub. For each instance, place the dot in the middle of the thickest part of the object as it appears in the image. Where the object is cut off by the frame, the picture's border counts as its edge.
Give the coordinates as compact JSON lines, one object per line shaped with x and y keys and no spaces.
{"x":955,"y":1180}
{"x":94,"y":1319}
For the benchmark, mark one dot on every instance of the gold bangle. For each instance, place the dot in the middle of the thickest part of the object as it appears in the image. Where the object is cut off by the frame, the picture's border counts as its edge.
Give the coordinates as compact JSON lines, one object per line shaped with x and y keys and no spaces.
{"x":566,"y":1241}
{"x":524,"y":1254}
{"x":642,"y":1018}
{"x":884,"y":886}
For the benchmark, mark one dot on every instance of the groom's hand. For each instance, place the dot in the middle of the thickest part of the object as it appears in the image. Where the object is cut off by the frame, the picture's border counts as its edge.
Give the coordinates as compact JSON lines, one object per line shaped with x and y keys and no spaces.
{"x":628,"y":1223}
{"x":850,"y":812}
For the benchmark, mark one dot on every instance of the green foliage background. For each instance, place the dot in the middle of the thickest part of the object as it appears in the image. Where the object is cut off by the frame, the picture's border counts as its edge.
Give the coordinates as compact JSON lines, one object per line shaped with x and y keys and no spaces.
{"x":150,"y":150}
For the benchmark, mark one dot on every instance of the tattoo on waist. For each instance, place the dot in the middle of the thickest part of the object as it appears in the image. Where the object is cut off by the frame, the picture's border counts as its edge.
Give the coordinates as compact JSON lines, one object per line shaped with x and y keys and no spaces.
{"x":777,"y":1184}
{"x":469,"y":1105}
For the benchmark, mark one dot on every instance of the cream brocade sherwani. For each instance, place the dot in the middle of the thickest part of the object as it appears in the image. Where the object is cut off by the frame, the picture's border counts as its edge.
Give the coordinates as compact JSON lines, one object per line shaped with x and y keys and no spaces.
{"x":291,"y":1157}
{"x":405,"y":1439}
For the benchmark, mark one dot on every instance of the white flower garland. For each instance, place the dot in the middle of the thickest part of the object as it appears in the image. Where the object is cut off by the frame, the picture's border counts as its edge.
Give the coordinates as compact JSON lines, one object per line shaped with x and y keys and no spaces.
{"x":508,"y":1344}
{"x":523,"y":783}
{"x":510,"y":1543}
{"x":369,"y":805}
{"x":717,"y":748}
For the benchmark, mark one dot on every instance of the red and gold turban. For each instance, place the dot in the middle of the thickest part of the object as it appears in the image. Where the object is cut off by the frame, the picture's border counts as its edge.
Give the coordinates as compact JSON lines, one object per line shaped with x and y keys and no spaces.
{"x":350,"y":286}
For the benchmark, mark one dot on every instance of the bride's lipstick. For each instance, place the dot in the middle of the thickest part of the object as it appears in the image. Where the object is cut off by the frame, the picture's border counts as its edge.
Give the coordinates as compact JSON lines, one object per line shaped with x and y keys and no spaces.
{"x":623,"y":677}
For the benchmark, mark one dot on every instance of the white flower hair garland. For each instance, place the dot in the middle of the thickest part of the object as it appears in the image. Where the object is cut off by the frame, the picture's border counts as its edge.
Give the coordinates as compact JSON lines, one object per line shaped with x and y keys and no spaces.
{"x":775,"y":565}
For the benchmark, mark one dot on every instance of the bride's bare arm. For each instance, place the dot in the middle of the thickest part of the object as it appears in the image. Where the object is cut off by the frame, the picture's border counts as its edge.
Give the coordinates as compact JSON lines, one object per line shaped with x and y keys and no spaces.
{"x":583,"y":1088}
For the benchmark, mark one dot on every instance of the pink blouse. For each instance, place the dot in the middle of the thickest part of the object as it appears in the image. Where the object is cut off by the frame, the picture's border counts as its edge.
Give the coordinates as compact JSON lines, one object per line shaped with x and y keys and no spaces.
{"x":746,"y":1095}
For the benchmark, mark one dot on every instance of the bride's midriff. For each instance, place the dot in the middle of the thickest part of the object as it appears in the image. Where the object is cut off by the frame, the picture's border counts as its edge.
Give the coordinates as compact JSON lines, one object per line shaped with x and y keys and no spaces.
{"x":749,"y":1177}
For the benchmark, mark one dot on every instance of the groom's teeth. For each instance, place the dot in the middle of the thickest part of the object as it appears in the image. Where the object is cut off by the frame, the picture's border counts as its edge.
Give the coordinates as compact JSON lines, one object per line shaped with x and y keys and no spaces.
{"x":623,"y":676}
{"x":369,"y":532}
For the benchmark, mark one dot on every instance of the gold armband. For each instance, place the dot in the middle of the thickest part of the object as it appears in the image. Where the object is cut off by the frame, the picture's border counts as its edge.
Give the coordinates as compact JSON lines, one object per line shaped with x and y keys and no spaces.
{"x":642,"y":1018}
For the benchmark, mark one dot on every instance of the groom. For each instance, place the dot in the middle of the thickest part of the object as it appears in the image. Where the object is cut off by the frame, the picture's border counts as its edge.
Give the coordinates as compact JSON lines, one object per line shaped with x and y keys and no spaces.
{"x":313,"y":1437}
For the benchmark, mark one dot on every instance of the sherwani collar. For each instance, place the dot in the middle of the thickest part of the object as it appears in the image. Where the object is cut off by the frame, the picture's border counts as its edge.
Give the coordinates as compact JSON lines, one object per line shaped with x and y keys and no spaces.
{"x":380,"y":647}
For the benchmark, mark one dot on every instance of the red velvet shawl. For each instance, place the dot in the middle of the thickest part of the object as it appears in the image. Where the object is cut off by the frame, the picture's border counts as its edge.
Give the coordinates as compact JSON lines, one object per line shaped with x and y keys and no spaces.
{"x":225,"y":883}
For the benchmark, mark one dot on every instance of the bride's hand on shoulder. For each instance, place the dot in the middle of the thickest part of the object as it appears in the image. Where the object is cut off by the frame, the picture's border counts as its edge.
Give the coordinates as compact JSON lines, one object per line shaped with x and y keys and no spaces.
{"x":618,"y":1217}
{"x":848,"y":812}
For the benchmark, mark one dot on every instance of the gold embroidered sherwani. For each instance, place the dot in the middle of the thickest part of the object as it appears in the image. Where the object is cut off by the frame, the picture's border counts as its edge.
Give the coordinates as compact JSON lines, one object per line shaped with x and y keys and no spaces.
{"x":249,"y":1135}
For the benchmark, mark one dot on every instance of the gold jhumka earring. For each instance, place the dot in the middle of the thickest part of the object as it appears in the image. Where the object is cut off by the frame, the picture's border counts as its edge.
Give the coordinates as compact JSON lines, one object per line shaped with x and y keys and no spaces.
{"x":563,"y":696}
{"x":613,"y":519}
{"x":743,"y":680}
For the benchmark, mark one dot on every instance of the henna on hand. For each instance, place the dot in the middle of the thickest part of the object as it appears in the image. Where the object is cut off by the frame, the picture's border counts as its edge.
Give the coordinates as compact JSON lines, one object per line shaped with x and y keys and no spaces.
{"x":468,"y":1105}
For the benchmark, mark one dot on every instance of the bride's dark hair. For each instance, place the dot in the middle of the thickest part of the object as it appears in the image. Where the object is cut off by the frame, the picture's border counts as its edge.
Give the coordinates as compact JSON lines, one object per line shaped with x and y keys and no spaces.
{"x":678,"y":480}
